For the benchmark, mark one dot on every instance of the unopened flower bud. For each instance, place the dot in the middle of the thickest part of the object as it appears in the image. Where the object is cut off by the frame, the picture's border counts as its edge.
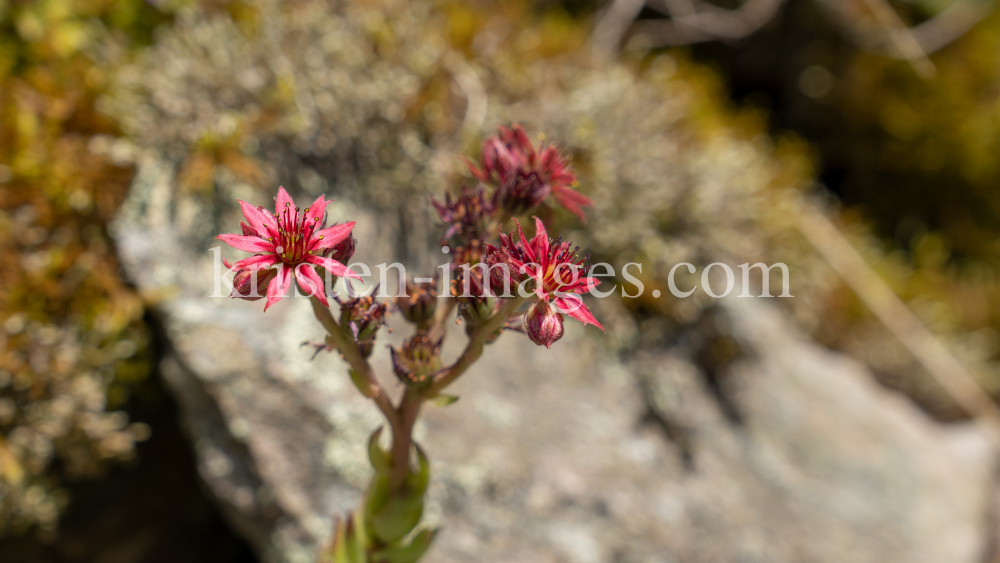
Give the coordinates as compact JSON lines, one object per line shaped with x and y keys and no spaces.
{"x":244,"y":285}
{"x":543,"y":324}
{"x":420,"y":302}
{"x":474,"y":303}
{"x":419,"y":358}
{"x":504,"y":275}
{"x":363,"y":316}
{"x":464,"y":214}
{"x":343,"y":250}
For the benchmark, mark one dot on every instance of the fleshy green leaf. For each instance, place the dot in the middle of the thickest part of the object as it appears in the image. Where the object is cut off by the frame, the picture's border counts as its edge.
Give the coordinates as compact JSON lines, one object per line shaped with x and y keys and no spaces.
{"x":407,"y":554}
{"x":378,"y":496}
{"x":379,"y":458}
{"x":398,"y":517}
{"x":340,"y":543}
{"x":443,"y":400}
{"x":418,"y":481}
{"x":356,"y":551}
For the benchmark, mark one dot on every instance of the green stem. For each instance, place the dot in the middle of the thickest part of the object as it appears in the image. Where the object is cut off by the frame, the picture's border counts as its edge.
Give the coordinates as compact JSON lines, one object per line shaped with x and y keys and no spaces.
{"x":437,"y":328}
{"x":402,"y":438}
{"x":351,"y":352}
{"x":474,"y":348}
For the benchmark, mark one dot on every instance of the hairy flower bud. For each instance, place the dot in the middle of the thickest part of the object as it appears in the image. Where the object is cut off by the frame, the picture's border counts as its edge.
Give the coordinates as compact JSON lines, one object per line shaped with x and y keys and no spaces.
{"x":344,"y":250}
{"x":419,"y":358}
{"x":474,"y":303}
{"x":504,"y":275}
{"x":244,"y":285}
{"x":420,"y":302}
{"x":363,"y":316}
{"x":543,"y":324}
{"x":464,"y":214}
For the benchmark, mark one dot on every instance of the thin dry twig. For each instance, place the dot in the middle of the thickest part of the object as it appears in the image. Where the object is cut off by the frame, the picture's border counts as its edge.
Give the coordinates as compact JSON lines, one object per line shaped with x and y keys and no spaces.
{"x":940,"y":31}
{"x":932,"y":35}
{"x":477,"y":100}
{"x":899,"y":319}
{"x":902,"y":37}
{"x":612,"y":26}
{"x":696,"y":21}
{"x":719,"y":23}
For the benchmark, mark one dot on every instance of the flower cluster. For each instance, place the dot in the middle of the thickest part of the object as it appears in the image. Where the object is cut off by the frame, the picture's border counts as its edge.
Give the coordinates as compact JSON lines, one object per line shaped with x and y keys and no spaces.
{"x":515,"y":178}
{"x":500,"y":281}
{"x":557,"y":276}
{"x":525,"y":177}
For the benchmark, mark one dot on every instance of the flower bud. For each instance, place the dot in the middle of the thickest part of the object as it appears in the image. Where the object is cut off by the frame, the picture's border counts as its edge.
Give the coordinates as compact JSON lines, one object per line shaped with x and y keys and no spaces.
{"x":420,"y":302}
{"x":418,"y":360}
{"x":343,"y":250}
{"x":504,"y":275}
{"x":363,"y":317}
{"x":464,"y":214}
{"x":244,"y":286}
{"x":474,"y":303}
{"x":543,"y":324}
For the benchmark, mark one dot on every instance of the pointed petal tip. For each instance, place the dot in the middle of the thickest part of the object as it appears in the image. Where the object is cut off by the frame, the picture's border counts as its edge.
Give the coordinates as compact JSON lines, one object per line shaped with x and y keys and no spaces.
{"x":539,"y":226}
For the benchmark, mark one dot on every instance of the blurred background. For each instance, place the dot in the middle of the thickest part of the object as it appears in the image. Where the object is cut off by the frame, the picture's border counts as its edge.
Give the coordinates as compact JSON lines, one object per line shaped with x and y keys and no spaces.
{"x":882,"y":117}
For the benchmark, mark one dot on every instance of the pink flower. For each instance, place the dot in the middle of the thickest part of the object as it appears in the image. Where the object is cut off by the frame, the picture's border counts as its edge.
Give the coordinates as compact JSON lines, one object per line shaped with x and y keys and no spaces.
{"x":552,"y":264}
{"x":294,"y":242}
{"x":525,"y":177}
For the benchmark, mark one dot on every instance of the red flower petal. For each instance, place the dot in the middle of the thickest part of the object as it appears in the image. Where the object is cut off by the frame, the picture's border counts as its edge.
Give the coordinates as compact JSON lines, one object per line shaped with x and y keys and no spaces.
{"x":520,"y":138}
{"x":247,"y":244}
{"x":282,"y":200}
{"x":332,"y":266}
{"x":258,"y":219}
{"x":328,"y":238}
{"x":540,"y":243}
{"x":311,"y":282}
{"x":257,"y":262}
{"x":572,"y":305}
{"x":572,"y":200}
{"x":314,"y":213}
{"x":481,"y":175}
{"x":529,"y":252}
{"x":278,"y":287}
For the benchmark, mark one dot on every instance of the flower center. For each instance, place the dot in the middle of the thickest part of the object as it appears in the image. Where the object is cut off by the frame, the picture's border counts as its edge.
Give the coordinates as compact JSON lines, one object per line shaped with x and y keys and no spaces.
{"x":294,"y":235}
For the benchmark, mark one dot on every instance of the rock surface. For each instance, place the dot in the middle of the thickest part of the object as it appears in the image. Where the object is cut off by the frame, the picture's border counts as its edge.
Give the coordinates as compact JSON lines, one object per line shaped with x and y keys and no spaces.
{"x":788,"y":452}
{"x":695,"y":430}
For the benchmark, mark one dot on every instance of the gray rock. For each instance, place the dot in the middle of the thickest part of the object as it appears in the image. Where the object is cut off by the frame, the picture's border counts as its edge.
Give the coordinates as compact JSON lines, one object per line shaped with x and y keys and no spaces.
{"x":695,"y":430}
{"x":785,"y":452}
